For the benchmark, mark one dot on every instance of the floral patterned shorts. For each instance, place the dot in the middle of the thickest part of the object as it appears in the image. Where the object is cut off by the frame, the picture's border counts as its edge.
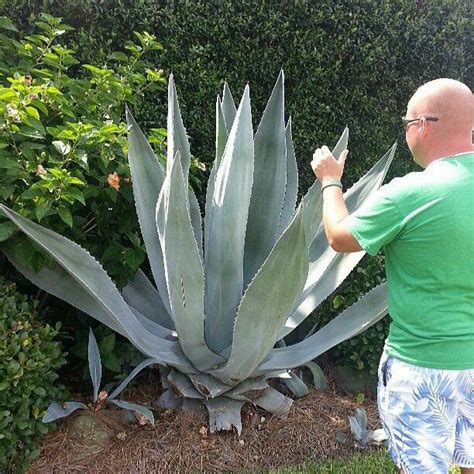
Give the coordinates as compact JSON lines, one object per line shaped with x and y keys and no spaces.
{"x":427,"y":414}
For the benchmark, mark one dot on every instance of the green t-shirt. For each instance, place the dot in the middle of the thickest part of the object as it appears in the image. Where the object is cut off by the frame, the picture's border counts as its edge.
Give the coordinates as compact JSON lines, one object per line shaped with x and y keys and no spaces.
{"x":425,"y":223}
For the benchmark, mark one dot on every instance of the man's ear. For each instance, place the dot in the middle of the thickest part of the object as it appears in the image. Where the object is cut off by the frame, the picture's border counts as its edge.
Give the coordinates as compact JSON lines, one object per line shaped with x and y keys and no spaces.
{"x":423,"y":130}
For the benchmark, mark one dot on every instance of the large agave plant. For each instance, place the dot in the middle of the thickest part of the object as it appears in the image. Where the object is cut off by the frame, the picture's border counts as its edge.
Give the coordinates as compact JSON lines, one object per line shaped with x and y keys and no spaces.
{"x":218,"y":315}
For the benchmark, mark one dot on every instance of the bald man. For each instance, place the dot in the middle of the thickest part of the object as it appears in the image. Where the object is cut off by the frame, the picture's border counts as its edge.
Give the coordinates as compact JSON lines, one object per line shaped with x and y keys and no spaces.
{"x":424,"y":221}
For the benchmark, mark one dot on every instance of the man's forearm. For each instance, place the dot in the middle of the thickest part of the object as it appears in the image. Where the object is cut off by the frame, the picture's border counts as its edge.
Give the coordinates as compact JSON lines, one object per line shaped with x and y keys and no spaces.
{"x":334,"y":211}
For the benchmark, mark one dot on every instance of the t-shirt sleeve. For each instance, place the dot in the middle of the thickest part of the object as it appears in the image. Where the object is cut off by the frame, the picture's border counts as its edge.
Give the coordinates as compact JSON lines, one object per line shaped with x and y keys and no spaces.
{"x":377,"y":223}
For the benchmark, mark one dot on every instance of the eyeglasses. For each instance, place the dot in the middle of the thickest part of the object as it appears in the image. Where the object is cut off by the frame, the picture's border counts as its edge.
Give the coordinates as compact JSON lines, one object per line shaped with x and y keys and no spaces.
{"x":406,"y":121}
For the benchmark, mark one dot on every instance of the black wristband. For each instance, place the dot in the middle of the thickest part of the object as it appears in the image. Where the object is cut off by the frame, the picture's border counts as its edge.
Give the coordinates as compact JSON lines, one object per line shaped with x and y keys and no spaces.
{"x":331,"y":183}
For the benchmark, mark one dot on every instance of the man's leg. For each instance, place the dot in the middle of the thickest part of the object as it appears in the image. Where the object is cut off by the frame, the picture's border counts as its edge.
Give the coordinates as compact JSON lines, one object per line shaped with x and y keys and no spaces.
{"x":419,"y":408}
{"x":464,"y":447}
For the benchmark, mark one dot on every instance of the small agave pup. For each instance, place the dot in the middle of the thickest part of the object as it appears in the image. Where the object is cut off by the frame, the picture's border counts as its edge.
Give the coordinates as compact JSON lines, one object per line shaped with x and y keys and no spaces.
{"x":60,"y":410}
{"x":218,"y":315}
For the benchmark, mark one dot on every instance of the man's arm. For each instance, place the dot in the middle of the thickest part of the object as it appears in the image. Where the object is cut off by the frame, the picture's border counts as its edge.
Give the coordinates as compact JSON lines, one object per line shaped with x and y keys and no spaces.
{"x":327,"y":169}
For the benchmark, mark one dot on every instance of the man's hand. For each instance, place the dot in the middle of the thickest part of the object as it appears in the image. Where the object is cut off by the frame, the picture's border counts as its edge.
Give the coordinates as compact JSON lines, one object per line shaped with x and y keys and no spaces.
{"x":325,"y":166}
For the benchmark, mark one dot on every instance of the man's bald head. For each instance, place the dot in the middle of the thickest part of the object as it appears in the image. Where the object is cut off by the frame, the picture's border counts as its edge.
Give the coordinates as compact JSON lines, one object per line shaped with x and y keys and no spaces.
{"x":452,"y":104}
{"x":449,"y":100}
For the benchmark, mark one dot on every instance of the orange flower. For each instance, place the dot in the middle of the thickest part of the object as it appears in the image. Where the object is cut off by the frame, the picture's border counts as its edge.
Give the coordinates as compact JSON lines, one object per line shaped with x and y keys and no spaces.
{"x":114,"y":180}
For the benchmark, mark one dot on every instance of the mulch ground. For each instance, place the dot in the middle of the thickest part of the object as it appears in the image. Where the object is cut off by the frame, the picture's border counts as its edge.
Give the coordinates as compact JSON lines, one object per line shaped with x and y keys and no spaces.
{"x":180,"y":442}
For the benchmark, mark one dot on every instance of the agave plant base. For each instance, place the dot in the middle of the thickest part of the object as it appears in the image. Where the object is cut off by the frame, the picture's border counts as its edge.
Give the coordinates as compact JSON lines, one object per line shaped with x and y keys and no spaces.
{"x":223,"y":402}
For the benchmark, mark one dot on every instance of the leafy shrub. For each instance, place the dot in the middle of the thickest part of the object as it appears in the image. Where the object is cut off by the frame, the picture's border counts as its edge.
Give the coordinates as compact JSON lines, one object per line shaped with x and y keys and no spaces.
{"x":64,"y":144}
{"x":30,"y":356}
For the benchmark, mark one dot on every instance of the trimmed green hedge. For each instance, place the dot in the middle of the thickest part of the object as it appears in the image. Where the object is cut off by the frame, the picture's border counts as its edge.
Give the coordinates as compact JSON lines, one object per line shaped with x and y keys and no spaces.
{"x":346,"y":63}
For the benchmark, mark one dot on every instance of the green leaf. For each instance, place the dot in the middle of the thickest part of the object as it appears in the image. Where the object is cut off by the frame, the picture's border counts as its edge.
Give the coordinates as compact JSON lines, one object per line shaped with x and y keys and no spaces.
{"x":40,"y":391}
{"x":62,"y":147}
{"x":74,"y":180}
{"x":7,"y":94}
{"x":41,"y":208}
{"x":107,"y":344}
{"x":23,"y":250}
{"x":7,"y":229}
{"x":338,"y":301}
{"x":33,"y":112}
{"x":118,"y":56}
{"x":65,"y":215}
{"x":75,"y":194}
{"x":6,"y":24}
{"x":112,"y":362}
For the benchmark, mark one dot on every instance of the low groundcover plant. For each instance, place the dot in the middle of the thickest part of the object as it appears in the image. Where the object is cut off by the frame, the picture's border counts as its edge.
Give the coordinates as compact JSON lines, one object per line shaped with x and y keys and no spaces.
{"x":226,"y":298}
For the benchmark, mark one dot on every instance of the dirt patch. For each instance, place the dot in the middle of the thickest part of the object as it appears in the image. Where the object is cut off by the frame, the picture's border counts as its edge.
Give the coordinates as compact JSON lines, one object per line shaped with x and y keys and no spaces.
{"x":180,"y":441}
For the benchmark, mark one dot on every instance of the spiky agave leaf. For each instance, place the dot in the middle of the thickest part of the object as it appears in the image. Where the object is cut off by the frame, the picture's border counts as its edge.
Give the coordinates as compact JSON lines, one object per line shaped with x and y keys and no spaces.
{"x":269,"y":183}
{"x":56,"y":411}
{"x":357,"y":318}
{"x":291,"y":192}
{"x":221,"y":140}
{"x":228,"y":213}
{"x":147,"y":179}
{"x":183,"y":268}
{"x":266,"y":303}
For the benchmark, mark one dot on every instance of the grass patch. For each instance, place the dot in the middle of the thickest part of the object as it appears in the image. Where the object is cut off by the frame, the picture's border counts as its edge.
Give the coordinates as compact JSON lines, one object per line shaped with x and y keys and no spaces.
{"x":374,"y":462}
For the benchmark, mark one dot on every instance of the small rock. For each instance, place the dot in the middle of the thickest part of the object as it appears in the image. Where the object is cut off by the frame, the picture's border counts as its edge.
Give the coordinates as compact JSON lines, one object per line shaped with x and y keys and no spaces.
{"x":241,"y":442}
{"x":122,"y":436}
{"x":262,"y":419}
{"x":203,"y":431}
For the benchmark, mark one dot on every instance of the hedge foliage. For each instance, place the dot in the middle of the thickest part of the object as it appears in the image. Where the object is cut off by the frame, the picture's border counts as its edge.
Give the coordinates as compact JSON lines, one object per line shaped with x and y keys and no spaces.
{"x":30,"y":356}
{"x":346,"y":63}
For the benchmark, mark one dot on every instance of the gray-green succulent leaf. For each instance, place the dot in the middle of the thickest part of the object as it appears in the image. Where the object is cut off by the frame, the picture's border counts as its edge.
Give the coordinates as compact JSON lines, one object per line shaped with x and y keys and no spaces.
{"x":370,"y":309}
{"x":266,"y":303}
{"x":269,"y":183}
{"x":56,"y":411}
{"x":95,"y":364}
{"x":134,"y":407}
{"x":228,"y":212}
